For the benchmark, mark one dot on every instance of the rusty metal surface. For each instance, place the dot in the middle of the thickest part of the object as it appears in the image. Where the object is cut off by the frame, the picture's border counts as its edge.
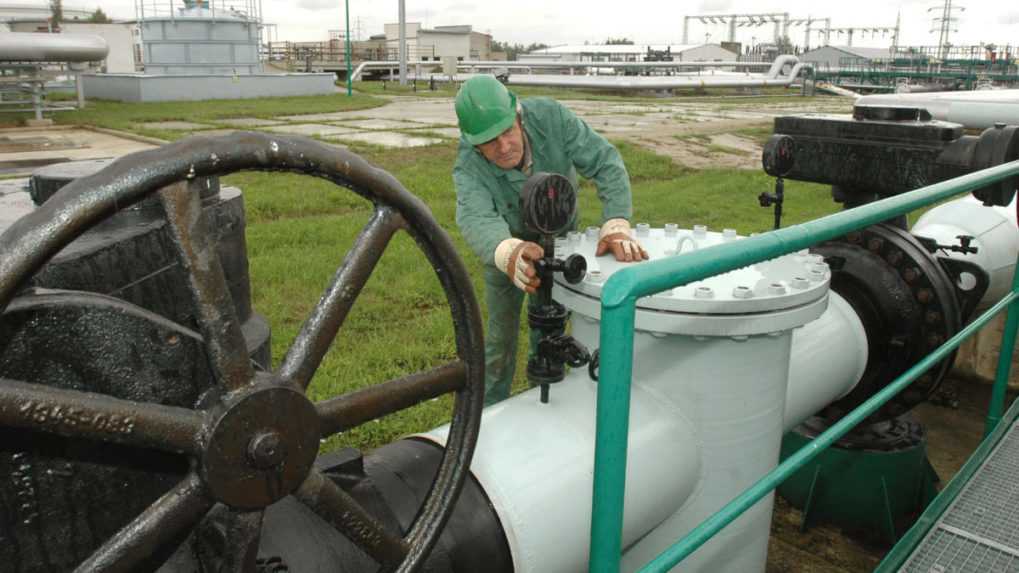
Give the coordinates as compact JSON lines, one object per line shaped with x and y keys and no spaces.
{"x":243,"y":439}
{"x":87,"y":415}
{"x":261,"y":445}
{"x":224,"y":527}
{"x":217,"y":318}
{"x":339,"y":509}
{"x":360,"y":406}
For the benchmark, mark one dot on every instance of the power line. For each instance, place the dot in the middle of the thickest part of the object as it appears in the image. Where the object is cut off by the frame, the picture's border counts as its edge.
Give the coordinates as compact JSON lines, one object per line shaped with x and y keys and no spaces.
{"x":945,"y":24}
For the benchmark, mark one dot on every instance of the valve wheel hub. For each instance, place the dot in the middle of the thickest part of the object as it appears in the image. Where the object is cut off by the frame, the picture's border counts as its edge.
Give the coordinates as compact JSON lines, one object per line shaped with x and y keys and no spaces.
{"x":261,"y":448}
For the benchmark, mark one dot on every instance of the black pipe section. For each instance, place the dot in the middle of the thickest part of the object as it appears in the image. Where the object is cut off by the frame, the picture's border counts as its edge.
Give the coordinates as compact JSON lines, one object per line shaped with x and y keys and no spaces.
{"x":390,"y":482}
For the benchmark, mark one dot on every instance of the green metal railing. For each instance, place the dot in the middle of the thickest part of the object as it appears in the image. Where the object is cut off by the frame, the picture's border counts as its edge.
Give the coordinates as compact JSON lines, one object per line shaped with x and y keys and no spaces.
{"x":619,"y":300}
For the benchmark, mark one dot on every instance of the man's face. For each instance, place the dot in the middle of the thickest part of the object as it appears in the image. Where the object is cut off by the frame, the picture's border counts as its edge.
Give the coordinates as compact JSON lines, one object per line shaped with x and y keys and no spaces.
{"x":507,"y":149}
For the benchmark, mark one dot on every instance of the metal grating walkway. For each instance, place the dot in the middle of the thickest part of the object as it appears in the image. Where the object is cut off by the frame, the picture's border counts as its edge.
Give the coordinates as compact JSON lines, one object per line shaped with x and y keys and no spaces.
{"x":979,"y":532}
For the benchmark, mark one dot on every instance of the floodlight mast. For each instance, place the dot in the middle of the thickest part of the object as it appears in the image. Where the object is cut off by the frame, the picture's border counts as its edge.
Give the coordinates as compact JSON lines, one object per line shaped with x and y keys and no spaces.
{"x":346,"y":38}
{"x":403,"y":43}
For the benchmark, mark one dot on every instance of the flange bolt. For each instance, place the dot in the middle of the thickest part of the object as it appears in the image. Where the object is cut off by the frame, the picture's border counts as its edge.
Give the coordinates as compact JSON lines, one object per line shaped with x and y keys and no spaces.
{"x":703,"y":292}
{"x":799,"y":283}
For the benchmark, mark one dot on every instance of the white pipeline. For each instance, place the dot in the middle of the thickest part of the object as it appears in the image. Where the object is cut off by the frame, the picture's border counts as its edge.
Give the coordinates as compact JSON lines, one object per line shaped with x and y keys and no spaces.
{"x":32,"y":47}
{"x":535,"y":463}
{"x":977,"y":109}
{"x":776,"y":76}
{"x":639,"y":82}
{"x":828,"y":358}
{"x":995,"y":237}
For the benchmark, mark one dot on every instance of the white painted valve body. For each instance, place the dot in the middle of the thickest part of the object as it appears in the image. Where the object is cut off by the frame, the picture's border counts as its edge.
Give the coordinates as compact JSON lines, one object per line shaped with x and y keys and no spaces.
{"x":708,"y":409}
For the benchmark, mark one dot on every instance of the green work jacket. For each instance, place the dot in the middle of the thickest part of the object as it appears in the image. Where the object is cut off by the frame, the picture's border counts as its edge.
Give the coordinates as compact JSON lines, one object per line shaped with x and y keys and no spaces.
{"x":488,"y":197}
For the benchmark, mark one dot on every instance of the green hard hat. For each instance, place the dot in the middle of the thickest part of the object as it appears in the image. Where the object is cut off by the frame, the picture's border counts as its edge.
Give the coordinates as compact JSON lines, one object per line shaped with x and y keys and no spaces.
{"x":484,"y":108}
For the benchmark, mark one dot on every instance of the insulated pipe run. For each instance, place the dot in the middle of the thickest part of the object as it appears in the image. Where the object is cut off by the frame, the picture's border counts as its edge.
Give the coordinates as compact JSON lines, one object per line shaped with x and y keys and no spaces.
{"x":566,"y":65}
{"x":978,"y":109}
{"x":639,"y":82}
{"x":534,"y":462}
{"x":32,"y":47}
{"x":829,"y":356}
{"x":994,"y":233}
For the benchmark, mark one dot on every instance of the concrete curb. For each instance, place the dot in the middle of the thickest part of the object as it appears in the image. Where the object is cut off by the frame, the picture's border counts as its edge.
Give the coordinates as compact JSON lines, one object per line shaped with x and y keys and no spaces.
{"x":125,"y":135}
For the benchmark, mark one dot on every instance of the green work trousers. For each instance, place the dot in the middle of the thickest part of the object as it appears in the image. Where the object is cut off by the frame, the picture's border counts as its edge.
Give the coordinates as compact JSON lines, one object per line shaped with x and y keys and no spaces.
{"x":503,"y":300}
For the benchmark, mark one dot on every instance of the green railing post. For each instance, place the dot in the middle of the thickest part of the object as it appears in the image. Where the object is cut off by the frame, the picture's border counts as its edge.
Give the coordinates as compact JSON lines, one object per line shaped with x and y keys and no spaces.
{"x":997,"y":405}
{"x":613,"y":426}
{"x":618,"y":309}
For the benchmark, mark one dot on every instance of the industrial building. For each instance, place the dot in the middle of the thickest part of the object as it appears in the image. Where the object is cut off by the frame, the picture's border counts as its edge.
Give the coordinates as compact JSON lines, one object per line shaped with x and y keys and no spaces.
{"x":434,"y":44}
{"x":845,"y":56}
{"x":633,"y":53}
{"x":40,"y":12}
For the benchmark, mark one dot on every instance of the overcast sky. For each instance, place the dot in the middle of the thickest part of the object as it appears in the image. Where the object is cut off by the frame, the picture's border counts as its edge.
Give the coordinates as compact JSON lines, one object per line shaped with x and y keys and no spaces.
{"x":644,"y":21}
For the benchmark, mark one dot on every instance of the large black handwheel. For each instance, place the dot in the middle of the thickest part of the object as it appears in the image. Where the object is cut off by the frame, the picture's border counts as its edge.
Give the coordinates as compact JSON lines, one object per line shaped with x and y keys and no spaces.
{"x":256,"y":440}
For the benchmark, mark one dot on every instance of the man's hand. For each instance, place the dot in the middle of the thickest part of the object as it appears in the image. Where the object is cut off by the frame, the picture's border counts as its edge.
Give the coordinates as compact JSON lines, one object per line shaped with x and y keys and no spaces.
{"x":615,"y":236}
{"x":516,"y":258}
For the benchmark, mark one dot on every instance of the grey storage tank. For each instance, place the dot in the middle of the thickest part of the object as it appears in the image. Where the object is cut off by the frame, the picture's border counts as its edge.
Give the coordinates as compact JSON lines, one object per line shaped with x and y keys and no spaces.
{"x":199,"y":50}
{"x":200,"y":37}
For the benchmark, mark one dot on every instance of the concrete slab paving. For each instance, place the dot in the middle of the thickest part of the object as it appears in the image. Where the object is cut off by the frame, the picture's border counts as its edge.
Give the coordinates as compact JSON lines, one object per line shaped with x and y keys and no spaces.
{"x":176,"y":125}
{"x":615,"y":122}
{"x":15,"y":202}
{"x":388,"y":139}
{"x":77,"y":144}
{"x":381,"y":123}
{"x":218,"y":132}
{"x":248,"y":122}
{"x":310,"y":129}
{"x":331,"y":116}
{"x":450,"y":132}
{"x":431,"y":111}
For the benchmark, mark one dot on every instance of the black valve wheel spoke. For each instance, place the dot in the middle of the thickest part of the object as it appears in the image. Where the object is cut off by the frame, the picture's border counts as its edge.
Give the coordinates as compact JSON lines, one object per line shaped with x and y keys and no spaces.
{"x":227,"y":540}
{"x":341,"y":511}
{"x":163,"y":522}
{"x":318,"y":332}
{"x":217,"y":319}
{"x":355,"y":408}
{"x":71,"y":413}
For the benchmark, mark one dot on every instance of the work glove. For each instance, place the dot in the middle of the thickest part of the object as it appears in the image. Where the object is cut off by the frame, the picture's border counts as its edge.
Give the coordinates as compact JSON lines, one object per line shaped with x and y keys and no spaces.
{"x":516,"y":258}
{"x":615,"y":236}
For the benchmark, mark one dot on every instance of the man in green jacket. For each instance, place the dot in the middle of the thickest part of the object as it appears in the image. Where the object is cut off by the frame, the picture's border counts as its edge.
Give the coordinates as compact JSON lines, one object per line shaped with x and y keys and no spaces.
{"x":502,"y":143}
